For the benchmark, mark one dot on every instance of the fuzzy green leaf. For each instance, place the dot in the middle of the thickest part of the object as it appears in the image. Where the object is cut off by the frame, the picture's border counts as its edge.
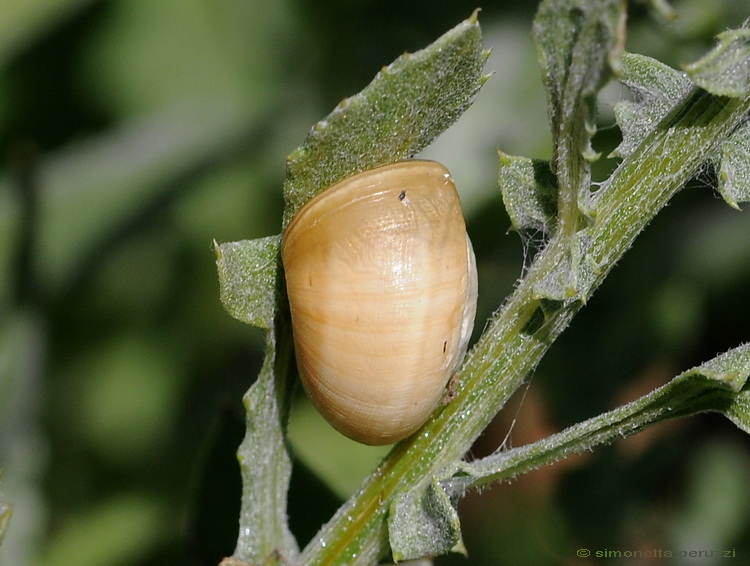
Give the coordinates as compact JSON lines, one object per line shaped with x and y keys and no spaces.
{"x":656,"y":88}
{"x":424,"y":522}
{"x":725,"y":71}
{"x":248,"y":286}
{"x":734,"y":172}
{"x":574,"y":275}
{"x":729,"y":370}
{"x":247,"y":279}
{"x":529,"y":193}
{"x":578,"y":44}
{"x":265,"y":463}
{"x":407,"y":105}
{"x":716,"y":385}
{"x":739,"y":411}
{"x":557,"y":285}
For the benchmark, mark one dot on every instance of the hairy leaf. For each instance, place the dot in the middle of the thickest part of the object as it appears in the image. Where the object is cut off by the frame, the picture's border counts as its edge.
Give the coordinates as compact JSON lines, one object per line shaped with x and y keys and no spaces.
{"x":734,"y":172}
{"x":265,"y":463}
{"x":739,"y":411}
{"x":423,"y":521}
{"x":247,"y":279}
{"x":578,"y":43}
{"x":407,"y":105}
{"x":725,"y":71}
{"x":529,"y":193}
{"x":656,"y":89}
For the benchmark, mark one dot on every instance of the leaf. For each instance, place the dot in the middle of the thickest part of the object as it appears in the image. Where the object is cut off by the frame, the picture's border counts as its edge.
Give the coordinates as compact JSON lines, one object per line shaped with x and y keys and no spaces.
{"x":529,"y":193}
{"x":578,"y":44}
{"x":656,"y":88}
{"x":106,"y":531}
{"x":407,"y":105}
{"x":729,"y":370}
{"x":248,"y":271}
{"x":733,"y":370}
{"x":739,"y":411}
{"x":734,"y":171}
{"x":557,"y":286}
{"x":716,"y":385}
{"x":424,"y":522}
{"x":265,"y":463}
{"x":725,"y":70}
{"x":574,"y":275}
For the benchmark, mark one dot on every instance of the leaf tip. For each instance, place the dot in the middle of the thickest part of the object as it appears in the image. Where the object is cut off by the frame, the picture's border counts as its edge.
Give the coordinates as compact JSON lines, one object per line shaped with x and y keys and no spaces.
{"x":728,"y":199}
{"x":460,"y":548}
{"x":504,"y":158}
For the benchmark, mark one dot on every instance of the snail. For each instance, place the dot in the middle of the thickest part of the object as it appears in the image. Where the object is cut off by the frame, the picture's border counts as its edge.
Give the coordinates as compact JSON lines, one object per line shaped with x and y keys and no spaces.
{"x":382,"y":288}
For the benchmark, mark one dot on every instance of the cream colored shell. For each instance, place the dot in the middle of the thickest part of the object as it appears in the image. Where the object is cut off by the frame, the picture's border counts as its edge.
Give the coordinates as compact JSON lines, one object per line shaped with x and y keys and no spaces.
{"x":381,"y":280}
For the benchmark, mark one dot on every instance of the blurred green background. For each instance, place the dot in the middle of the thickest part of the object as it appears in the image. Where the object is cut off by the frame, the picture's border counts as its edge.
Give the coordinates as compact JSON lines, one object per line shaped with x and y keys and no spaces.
{"x":133,"y":132}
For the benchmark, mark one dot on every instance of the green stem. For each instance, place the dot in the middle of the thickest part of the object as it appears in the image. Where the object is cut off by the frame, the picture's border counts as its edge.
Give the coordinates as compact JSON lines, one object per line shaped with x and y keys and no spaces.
{"x":521,"y":332}
{"x":679,"y":398}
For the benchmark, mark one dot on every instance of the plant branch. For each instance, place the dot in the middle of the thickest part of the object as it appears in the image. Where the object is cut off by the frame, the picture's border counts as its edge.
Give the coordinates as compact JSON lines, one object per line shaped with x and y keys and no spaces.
{"x":689,"y":393}
{"x":528,"y":324}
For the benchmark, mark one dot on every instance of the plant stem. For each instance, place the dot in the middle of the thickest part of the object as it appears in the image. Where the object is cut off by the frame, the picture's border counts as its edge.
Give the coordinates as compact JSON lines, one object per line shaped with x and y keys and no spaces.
{"x":522,"y":331}
{"x":679,"y":398}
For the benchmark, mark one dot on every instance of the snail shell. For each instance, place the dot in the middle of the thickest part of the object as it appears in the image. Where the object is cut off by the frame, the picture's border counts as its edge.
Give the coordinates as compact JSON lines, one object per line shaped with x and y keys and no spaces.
{"x":382,"y":287}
